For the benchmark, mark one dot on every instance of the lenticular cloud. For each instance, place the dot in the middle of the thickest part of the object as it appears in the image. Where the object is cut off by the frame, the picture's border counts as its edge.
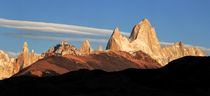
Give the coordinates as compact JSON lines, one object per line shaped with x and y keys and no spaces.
{"x":54,"y":28}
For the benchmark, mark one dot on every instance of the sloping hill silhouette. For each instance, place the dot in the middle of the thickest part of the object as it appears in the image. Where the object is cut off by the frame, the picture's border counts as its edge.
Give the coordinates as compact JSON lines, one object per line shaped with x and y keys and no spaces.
{"x":187,"y":76}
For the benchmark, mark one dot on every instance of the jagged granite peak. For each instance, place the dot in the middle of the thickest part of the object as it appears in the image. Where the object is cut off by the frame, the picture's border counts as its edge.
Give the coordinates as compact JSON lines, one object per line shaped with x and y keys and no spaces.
{"x":7,"y":65}
{"x":25,"y":59}
{"x":86,"y":48}
{"x":66,"y":49}
{"x":144,"y":38}
{"x":4,"y":56}
{"x":100,"y":48}
{"x":145,"y":21}
{"x":141,"y":30}
{"x":62,"y":49}
{"x":25,"y":45}
{"x":10,"y":66}
{"x":25,"y":49}
{"x":116,"y":33}
{"x":114,"y":40}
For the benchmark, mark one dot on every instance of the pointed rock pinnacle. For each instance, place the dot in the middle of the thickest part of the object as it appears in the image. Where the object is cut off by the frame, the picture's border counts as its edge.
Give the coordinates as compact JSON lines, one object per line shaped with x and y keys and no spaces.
{"x":116,"y":33}
{"x":25,"y":45}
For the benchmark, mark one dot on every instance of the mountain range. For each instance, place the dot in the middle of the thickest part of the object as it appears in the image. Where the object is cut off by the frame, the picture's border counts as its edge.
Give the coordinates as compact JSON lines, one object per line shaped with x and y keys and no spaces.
{"x":141,"y":50}
{"x":143,"y":37}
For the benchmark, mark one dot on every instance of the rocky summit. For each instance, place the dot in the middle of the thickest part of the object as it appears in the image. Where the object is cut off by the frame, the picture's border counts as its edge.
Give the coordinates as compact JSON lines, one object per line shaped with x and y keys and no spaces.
{"x":143,"y":37}
{"x":62,"y":49}
{"x":86,"y":48}
{"x":25,"y":59}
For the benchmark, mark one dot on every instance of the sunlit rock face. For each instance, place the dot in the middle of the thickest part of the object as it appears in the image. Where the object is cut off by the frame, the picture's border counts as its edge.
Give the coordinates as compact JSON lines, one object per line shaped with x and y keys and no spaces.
{"x":66,"y":49}
{"x":63,"y":49}
{"x":86,"y":48}
{"x":7,"y":65}
{"x":10,"y":66}
{"x":143,"y":37}
{"x":25,"y":59}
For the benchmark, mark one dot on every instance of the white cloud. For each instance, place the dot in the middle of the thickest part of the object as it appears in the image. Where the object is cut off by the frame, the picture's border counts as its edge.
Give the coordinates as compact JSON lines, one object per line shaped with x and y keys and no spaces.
{"x":166,"y":43}
{"x":57,"y":38}
{"x":12,"y":54}
{"x":205,"y":50}
{"x":55,"y":28}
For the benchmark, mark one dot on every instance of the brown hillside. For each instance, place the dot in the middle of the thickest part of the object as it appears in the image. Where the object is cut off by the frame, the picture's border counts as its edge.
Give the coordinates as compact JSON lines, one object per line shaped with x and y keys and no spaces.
{"x":106,"y":60}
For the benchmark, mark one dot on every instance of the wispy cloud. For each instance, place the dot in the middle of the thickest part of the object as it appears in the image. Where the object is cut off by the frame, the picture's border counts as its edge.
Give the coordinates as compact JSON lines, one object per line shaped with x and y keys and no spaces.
{"x":55,"y":28}
{"x":12,"y":54}
{"x":205,"y":50}
{"x":166,"y":43}
{"x":56,"y":38}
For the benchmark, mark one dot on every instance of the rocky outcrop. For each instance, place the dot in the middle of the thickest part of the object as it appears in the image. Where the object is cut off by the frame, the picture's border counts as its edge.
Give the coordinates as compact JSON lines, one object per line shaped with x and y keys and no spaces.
{"x":86,"y":48}
{"x":7,"y":67}
{"x":63,"y":49}
{"x":25,"y":59}
{"x":143,"y":37}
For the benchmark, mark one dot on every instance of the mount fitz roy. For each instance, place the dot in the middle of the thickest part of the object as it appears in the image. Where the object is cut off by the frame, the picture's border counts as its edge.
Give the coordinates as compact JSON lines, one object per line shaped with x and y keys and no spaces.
{"x":143,"y":38}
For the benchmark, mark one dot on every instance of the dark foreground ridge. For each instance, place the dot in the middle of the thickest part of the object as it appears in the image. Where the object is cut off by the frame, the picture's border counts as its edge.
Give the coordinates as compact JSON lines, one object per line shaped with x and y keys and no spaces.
{"x":187,"y":76}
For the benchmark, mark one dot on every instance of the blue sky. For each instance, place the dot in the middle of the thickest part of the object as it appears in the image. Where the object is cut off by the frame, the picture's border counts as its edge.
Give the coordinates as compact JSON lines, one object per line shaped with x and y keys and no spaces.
{"x":174,"y":21}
